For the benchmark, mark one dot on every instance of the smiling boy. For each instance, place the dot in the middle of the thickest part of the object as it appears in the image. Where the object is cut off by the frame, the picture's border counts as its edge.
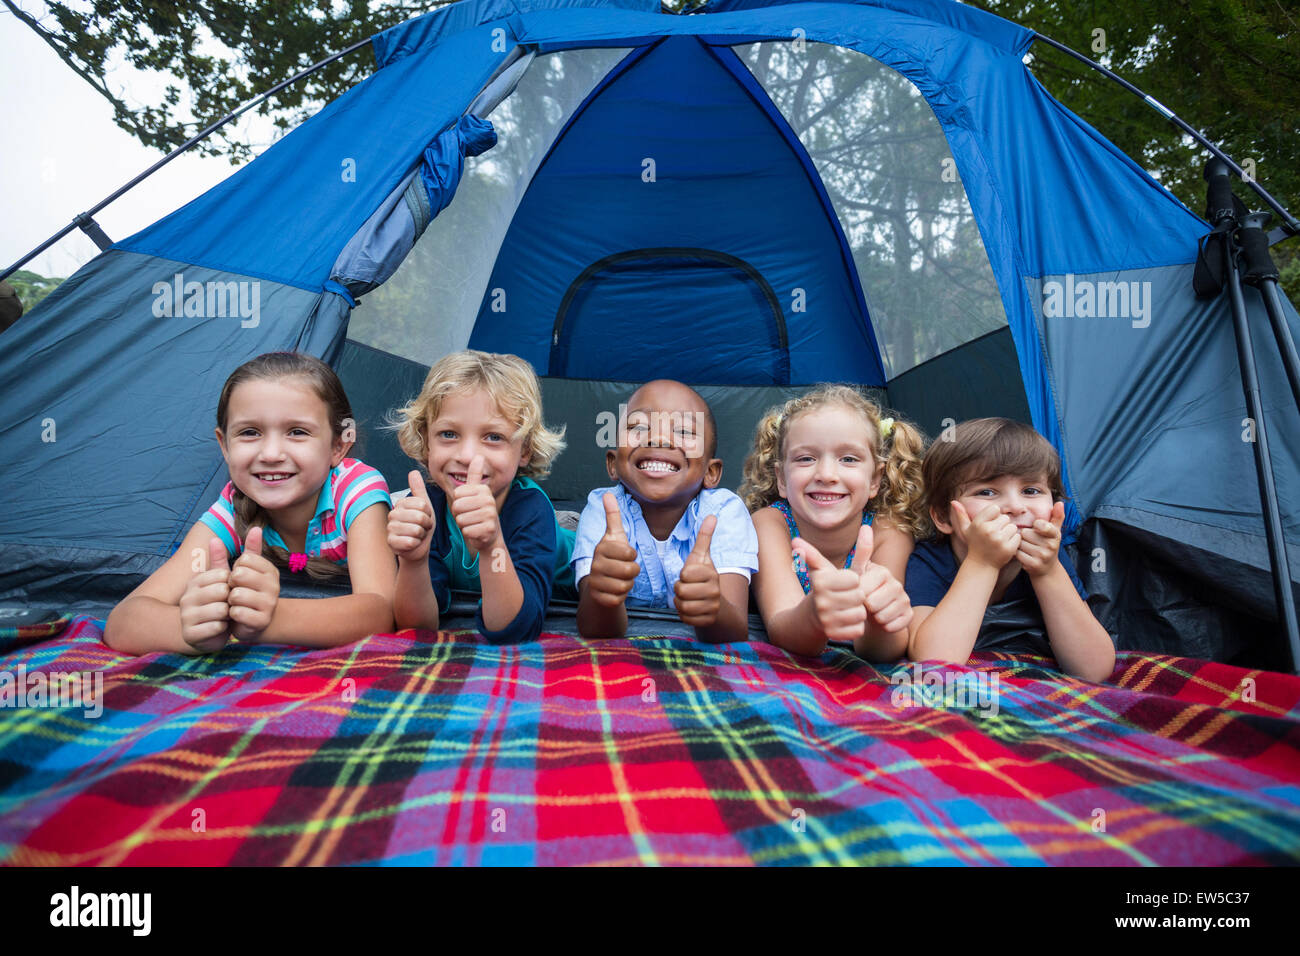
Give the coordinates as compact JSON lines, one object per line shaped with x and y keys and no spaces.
{"x":995,"y":578}
{"x":665,"y":535}
{"x":481,"y":523}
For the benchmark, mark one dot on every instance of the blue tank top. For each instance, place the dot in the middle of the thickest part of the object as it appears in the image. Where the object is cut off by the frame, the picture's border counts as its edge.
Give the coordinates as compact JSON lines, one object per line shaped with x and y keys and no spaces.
{"x":800,"y":566}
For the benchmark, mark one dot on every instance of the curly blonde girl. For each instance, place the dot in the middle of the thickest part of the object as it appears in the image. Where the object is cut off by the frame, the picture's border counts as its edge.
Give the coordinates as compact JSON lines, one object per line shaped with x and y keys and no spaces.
{"x":513,"y":385}
{"x":898,"y":446}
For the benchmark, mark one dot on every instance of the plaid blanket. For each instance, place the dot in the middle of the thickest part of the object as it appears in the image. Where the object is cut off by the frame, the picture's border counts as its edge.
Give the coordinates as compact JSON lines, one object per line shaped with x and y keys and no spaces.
{"x":429,"y":747}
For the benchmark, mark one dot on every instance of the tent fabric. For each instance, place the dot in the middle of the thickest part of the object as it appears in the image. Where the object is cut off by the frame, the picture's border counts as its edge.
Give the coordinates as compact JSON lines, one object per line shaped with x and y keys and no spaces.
{"x":109,"y":455}
{"x":422,"y":32}
{"x":345,"y":160}
{"x":973,"y":21}
{"x":447,"y":271}
{"x":379,"y":247}
{"x":981,"y":95}
{"x":718,"y":297}
{"x":444,"y":160}
{"x":1157,"y":431}
{"x":712,"y":152}
{"x":326,"y":212}
{"x":981,"y":377}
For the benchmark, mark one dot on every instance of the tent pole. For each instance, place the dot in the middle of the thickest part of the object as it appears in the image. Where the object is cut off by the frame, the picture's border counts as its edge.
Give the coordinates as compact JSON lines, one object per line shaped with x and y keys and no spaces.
{"x":1261,"y":272}
{"x":85,"y":220}
{"x":1221,"y":209}
{"x":1290,"y":227}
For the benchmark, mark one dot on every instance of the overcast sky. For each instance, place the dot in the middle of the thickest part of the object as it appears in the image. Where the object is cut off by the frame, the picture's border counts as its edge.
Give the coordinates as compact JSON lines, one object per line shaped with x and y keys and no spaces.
{"x":62,"y":153}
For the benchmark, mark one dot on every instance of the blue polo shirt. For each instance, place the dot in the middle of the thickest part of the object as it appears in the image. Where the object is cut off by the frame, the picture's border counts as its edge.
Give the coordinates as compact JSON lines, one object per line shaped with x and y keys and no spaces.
{"x":733,"y":549}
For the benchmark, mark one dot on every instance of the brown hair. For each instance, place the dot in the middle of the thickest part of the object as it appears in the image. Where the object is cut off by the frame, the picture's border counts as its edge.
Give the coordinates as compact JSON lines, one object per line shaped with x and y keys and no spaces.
{"x":311,"y":371}
{"x":899,"y":454}
{"x":510,"y":381}
{"x":983,"y":449}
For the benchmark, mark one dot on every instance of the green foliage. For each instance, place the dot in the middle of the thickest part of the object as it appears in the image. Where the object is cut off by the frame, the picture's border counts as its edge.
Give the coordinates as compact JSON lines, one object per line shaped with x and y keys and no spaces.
{"x":31,"y":288}
{"x":1230,"y":68}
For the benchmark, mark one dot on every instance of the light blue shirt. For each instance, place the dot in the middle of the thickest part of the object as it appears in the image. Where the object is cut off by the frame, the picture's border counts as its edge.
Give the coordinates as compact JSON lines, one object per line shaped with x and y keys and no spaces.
{"x":734,"y":548}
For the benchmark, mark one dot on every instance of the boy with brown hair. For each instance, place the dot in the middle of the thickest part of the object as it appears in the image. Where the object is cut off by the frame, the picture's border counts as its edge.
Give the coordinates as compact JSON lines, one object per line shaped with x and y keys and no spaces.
{"x":994,"y":578}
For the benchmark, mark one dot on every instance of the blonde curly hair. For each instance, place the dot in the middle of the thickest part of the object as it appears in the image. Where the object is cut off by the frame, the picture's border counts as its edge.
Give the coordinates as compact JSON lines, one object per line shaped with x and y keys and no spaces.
{"x":513,"y":385}
{"x":901,"y":492}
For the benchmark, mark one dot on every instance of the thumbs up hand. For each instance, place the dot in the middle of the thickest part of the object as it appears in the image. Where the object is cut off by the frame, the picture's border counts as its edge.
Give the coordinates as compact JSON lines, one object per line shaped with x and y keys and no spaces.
{"x":475,"y":510}
{"x":991,"y":537}
{"x":837,"y":595}
{"x":697,"y":591}
{"x":887,"y":603}
{"x":613,"y":563}
{"x":1041,"y":544}
{"x":205,"y":613}
{"x":254,"y":590}
{"x":411,"y":522}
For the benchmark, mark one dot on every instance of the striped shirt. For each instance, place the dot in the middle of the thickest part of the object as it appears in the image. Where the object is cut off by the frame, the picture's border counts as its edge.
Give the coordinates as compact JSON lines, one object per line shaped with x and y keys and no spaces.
{"x":352,"y":487}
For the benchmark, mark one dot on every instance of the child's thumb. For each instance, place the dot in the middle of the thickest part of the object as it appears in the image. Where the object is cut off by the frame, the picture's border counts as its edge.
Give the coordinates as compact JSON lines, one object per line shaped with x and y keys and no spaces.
{"x":418,"y":487}
{"x":704,"y":539}
{"x":217,"y":558}
{"x":811,"y":556}
{"x":613,"y":518}
{"x":476,"y":468}
{"x":862,"y":550}
{"x":253,"y":541}
{"x":1058,"y":514}
{"x":959,"y":516}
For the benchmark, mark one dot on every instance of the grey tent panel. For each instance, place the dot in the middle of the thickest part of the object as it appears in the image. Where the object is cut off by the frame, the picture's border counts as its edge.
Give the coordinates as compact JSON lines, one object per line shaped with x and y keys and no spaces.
{"x":377,"y":382}
{"x":1153,"y":395}
{"x":976,"y":380}
{"x":157,"y":339}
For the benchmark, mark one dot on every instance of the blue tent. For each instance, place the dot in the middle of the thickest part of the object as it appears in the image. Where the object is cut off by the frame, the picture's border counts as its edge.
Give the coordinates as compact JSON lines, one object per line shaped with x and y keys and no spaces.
{"x":754,"y":198}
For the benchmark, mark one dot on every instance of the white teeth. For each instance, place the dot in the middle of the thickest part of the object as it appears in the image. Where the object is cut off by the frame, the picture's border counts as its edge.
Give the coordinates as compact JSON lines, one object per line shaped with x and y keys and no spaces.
{"x":825,"y":497}
{"x":655,"y":465}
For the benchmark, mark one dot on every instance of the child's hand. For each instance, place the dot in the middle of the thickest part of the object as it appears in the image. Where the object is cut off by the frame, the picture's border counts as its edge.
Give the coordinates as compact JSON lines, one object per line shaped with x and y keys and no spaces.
{"x":613,"y":563}
{"x":254,"y":590}
{"x":883,"y":596}
{"x":698,"y":591}
{"x":1040,"y":544}
{"x":475,"y":510}
{"x":205,"y":613}
{"x":991,"y":537}
{"x":836,"y":594}
{"x":411,"y":522}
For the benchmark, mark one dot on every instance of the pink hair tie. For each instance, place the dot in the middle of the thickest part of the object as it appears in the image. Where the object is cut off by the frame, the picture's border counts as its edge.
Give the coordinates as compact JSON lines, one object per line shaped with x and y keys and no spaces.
{"x":297,"y":562}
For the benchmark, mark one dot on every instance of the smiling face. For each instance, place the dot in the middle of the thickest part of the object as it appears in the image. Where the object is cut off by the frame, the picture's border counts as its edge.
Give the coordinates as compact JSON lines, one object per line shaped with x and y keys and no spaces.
{"x":280,"y":447}
{"x":829,"y":471}
{"x":663,"y":461}
{"x":467,"y":425}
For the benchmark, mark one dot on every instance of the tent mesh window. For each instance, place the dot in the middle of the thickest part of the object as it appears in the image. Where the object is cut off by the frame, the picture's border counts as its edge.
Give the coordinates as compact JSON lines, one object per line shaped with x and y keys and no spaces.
{"x":876,"y":145}
{"x":428,"y":307}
